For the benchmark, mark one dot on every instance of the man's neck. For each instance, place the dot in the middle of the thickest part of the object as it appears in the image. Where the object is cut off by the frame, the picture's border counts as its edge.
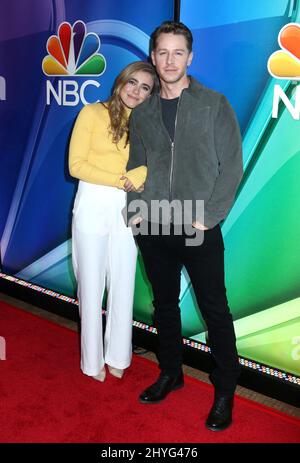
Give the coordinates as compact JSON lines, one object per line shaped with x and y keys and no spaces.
{"x":173,"y":90}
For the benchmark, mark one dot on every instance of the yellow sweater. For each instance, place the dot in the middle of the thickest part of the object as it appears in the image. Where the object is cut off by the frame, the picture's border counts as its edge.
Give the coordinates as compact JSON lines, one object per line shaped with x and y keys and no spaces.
{"x":93,"y":157}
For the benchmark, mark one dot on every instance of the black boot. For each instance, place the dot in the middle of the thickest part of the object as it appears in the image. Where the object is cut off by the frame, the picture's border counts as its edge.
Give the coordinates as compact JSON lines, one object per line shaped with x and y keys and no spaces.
{"x":161,"y":388}
{"x":220,"y":415}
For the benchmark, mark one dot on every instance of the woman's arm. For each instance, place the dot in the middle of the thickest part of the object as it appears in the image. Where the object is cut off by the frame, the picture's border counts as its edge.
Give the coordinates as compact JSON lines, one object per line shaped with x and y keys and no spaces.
{"x":80,"y":144}
{"x":137,"y":176}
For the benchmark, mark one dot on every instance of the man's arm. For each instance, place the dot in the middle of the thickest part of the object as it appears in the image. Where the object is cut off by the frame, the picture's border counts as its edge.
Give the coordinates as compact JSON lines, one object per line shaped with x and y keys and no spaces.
{"x":228,"y":145}
{"x":137,"y":158}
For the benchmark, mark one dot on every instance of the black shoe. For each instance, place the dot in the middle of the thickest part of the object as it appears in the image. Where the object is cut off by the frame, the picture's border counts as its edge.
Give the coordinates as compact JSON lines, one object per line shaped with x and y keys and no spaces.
{"x":159,"y":390}
{"x":220,"y":415}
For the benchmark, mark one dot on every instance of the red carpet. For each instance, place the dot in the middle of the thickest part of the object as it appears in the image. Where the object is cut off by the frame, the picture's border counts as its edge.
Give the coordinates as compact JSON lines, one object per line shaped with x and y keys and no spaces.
{"x":46,"y":398}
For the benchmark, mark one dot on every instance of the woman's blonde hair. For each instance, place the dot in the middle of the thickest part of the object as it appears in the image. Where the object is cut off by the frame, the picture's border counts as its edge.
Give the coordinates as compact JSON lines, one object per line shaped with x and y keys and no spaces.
{"x":117,"y":113}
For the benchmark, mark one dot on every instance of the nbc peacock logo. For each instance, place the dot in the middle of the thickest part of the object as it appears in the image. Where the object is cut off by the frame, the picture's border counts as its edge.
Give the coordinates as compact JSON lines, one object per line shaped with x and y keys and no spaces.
{"x":73,"y":52}
{"x":285,"y":63}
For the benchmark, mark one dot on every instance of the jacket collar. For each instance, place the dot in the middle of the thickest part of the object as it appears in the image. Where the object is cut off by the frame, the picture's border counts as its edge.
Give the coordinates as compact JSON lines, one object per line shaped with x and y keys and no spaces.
{"x":193,"y":90}
{"x":152,"y":106}
{"x":194,"y":86}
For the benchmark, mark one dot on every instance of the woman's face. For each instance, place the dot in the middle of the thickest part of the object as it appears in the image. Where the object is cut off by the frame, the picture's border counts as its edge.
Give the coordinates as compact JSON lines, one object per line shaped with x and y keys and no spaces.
{"x":137,"y":89}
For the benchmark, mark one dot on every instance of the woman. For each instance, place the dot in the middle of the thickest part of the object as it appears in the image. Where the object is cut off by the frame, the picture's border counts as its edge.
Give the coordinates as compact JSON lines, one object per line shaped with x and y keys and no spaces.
{"x":103,"y":248}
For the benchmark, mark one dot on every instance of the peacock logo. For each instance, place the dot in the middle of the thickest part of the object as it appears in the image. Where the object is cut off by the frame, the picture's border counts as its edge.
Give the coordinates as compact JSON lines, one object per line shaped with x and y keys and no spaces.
{"x":285,"y":63}
{"x":73,"y":52}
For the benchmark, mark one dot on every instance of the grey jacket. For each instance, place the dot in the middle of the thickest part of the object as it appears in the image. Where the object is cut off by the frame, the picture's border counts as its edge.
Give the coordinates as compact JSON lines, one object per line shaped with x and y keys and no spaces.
{"x":203,"y":163}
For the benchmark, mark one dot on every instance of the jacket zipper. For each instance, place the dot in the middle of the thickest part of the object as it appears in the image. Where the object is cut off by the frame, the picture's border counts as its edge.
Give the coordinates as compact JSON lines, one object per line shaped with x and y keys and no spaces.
{"x":172,"y":150}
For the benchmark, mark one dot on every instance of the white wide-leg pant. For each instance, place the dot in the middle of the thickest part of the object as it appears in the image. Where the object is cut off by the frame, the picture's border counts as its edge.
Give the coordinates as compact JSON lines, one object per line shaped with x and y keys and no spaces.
{"x":104,"y":254}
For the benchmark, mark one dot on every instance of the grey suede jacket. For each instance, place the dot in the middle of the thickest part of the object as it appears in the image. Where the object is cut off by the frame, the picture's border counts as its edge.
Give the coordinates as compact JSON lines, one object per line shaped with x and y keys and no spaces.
{"x":203,"y":163}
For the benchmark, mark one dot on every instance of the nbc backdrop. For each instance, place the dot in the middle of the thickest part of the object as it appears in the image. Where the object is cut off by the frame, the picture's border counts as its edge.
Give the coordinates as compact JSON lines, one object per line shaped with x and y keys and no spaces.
{"x":233,"y":41}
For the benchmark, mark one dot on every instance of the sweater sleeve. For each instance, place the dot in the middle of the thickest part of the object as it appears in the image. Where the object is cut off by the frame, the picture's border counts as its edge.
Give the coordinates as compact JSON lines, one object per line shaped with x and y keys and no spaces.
{"x":80,"y":143}
{"x":137,"y":176}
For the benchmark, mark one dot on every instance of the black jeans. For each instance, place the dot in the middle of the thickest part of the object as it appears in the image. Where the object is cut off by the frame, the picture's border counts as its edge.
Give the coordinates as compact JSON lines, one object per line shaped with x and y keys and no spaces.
{"x":164,"y":256}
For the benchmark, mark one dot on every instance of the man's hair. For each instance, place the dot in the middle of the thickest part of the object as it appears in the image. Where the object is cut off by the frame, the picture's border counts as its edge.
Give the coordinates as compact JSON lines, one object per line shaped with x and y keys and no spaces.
{"x":172,"y":27}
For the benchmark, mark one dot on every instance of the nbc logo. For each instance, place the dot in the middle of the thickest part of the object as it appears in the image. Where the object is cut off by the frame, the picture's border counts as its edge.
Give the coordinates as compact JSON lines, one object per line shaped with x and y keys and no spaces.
{"x":2,"y":88}
{"x":72,"y":53}
{"x":285,"y":64}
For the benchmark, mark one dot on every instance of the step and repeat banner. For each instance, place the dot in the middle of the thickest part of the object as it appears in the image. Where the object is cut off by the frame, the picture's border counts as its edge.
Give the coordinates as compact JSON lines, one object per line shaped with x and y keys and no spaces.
{"x":250,"y":51}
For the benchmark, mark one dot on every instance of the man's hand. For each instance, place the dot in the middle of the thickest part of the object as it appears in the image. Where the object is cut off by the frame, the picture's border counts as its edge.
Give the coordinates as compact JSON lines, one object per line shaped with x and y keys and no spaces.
{"x":199,"y":226}
{"x":128,"y":186}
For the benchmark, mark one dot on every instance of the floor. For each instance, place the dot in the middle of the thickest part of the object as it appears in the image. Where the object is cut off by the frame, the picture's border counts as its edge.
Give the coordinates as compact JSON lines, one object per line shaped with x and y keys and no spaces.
{"x":247,"y":393}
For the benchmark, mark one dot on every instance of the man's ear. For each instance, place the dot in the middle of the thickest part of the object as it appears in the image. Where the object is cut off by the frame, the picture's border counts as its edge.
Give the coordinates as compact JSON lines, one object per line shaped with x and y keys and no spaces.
{"x":190,"y":58}
{"x":153,"y":57}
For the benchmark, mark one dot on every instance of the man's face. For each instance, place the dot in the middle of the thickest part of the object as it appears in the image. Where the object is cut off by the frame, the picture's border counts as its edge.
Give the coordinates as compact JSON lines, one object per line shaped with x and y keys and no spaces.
{"x":171,"y":57}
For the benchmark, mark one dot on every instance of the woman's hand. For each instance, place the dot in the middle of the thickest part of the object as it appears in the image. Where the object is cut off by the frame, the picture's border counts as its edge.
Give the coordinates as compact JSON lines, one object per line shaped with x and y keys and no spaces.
{"x":128,"y":186}
{"x":140,"y":189}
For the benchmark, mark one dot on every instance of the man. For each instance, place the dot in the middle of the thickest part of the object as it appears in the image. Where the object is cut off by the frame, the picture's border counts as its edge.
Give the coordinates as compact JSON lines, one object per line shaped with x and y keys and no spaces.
{"x":190,"y":141}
